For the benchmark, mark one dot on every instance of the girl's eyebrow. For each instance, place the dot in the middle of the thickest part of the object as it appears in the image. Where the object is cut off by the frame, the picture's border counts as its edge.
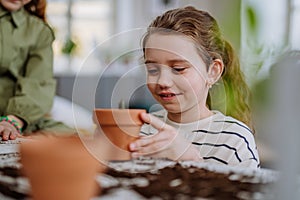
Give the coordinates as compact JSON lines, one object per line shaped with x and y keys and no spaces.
{"x":169,"y":61}
{"x":178,"y":61}
{"x":149,"y":61}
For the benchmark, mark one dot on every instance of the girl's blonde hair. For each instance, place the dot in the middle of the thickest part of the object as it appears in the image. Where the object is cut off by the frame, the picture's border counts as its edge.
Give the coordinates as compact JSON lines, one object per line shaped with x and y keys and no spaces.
{"x":203,"y":29}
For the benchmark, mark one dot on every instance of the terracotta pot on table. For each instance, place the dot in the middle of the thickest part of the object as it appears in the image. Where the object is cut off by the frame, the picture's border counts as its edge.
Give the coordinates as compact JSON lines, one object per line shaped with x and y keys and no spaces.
{"x":60,"y":168}
{"x":120,"y":127}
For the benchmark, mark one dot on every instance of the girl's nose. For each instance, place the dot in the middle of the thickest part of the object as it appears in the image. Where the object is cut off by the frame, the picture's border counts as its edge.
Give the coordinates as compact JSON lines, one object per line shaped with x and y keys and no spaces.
{"x":165,"y":79}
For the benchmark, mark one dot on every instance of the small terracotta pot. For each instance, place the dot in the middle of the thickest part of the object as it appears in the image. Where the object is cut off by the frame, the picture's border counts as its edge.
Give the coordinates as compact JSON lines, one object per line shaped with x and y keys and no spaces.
{"x":121,"y":127}
{"x":60,"y":168}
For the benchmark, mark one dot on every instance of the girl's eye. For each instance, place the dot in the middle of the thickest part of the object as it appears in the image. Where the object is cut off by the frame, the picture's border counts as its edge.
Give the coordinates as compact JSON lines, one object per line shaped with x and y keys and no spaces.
{"x":178,"y":69}
{"x":152,"y":70}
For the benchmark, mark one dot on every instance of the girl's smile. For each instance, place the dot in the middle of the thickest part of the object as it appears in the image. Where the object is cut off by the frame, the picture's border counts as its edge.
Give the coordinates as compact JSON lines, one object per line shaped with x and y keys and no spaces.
{"x":168,"y":96}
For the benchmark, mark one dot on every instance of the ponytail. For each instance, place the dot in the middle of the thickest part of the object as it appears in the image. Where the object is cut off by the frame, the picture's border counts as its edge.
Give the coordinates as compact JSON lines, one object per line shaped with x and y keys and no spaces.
{"x":237,"y":93}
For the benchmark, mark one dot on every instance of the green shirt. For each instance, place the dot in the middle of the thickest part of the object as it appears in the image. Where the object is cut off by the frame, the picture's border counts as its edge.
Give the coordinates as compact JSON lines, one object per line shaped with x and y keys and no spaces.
{"x":27,"y":86}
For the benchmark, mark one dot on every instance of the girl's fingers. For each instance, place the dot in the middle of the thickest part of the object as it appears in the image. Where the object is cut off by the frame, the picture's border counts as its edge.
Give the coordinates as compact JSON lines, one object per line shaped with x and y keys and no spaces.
{"x":144,"y":141}
{"x":164,"y":137}
{"x":153,"y":149}
{"x":162,"y":143}
{"x":140,"y":143}
{"x":149,"y":140}
{"x":154,"y":121}
{"x":13,"y":135}
{"x":6,"y":134}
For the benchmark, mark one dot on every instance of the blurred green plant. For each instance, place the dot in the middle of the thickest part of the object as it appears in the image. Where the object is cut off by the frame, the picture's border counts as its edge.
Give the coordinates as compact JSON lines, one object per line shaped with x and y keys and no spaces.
{"x":258,"y":55}
{"x":251,"y":19}
{"x":69,"y":46}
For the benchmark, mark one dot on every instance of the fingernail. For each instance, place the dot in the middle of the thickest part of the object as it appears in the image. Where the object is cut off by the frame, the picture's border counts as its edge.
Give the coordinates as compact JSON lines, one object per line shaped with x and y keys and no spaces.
{"x":144,"y":115}
{"x":132,"y":146}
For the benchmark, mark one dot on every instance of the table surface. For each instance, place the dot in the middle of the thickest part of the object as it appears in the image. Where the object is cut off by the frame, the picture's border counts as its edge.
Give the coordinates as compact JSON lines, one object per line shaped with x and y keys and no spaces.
{"x":148,"y":178}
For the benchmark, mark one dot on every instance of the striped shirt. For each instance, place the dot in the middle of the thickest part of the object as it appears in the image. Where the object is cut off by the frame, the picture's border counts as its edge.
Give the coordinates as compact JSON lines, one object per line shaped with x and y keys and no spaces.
{"x":219,"y":138}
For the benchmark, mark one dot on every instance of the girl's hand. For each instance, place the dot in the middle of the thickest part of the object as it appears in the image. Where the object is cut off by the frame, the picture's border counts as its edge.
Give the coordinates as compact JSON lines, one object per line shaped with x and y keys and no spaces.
{"x":8,"y":131}
{"x":166,"y":143}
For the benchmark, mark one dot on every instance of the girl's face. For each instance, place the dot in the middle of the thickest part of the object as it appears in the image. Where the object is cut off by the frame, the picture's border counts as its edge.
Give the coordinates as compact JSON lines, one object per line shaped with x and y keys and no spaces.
{"x":176,"y":74}
{"x":13,"y":5}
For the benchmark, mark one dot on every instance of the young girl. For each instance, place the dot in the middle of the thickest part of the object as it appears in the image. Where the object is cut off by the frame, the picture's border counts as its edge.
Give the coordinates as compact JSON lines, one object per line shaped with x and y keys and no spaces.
{"x":27,"y":86}
{"x":185,"y":57}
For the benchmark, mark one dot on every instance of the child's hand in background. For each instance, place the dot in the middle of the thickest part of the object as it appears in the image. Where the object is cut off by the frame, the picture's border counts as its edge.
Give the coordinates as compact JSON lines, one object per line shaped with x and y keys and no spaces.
{"x":8,"y":131}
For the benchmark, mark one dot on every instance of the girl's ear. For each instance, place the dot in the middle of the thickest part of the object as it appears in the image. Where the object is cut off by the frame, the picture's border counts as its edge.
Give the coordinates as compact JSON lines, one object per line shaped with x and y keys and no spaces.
{"x":215,"y":71}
